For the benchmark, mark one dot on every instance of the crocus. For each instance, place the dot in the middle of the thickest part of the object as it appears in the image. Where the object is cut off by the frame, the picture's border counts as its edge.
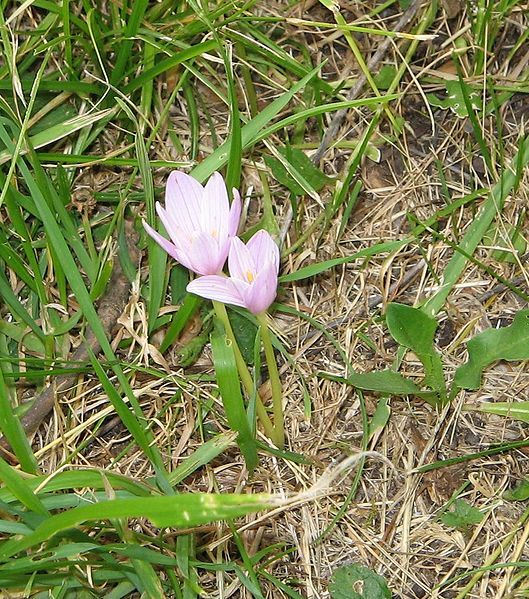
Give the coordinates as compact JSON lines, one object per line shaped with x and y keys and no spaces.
{"x":252,"y":283}
{"x":199,"y":221}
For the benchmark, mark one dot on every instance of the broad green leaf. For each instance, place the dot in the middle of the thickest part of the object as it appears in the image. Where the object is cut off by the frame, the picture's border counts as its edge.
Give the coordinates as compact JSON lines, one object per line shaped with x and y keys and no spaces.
{"x":384,"y":381}
{"x":358,"y":582}
{"x":12,"y":479}
{"x":245,"y":332}
{"x":380,"y":417}
{"x":515,"y":245}
{"x":384,"y":78}
{"x":411,"y":328}
{"x":462,"y":516}
{"x":29,"y":341}
{"x":508,"y":343}
{"x":519,"y":493}
{"x":455,"y":100}
{"x":415,"y":330}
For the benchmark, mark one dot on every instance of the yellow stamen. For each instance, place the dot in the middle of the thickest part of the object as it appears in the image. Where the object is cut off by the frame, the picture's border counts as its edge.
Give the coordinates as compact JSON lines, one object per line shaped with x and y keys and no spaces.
{"x":249,"y":276}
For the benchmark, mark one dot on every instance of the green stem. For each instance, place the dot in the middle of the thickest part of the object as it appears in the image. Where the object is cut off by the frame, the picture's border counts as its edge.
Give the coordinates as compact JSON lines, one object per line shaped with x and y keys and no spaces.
{"x":275,"y":381}
{"x":246,"y":377}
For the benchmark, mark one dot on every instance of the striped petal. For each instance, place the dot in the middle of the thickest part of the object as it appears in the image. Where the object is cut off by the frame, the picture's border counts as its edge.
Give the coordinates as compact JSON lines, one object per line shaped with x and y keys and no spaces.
{"x":215,"y":207}
{"x":240,"y":262}
{"x":263,"y":249}
{"x":215,"y":287}
{"x":183,"y":200}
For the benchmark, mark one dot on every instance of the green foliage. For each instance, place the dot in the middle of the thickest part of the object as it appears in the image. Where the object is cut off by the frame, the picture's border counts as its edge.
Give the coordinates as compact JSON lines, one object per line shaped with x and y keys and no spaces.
{"x":293,"y":169}
{"x":230,"y":392}
{"x":511,"y":239}
{"x":508,"y":343}
{"x":455,"y":98}
{"x":358,"y":582}
{"x":245,"y":331}
{"x":518,"y":493}
{"x":462,"y":516}
{"x":518,"y":410}
{"x":413,"y":329}
{"x":385,"y":77}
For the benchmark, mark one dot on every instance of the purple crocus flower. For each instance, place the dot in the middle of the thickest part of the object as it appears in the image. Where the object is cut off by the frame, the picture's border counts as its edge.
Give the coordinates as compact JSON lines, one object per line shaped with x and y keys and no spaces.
{"x":199,"y":221}
{"x":252,"y":283}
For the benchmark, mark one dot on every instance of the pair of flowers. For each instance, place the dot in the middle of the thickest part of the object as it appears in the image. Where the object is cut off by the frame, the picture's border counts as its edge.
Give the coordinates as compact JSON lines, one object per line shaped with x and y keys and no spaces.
{"x":203,"y":230}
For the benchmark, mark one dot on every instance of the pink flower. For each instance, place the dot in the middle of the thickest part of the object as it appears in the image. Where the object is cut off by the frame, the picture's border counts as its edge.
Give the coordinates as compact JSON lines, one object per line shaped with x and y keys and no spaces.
{"x":199,"y":221}
{"x":253,"y":275}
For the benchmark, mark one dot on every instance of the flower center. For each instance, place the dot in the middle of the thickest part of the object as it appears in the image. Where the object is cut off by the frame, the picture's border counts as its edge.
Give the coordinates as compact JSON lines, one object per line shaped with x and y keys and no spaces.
{"x":249,"y":276}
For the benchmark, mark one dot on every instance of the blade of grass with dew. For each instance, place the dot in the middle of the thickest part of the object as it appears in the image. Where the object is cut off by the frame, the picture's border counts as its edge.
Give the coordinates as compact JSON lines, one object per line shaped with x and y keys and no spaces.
{"x":230,"y":392}
{"x":477,"y":229}
{"x":177,"y":511}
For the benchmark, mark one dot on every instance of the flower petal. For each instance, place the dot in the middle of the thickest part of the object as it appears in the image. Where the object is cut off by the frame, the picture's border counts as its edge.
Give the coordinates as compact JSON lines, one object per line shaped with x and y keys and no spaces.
{"x":215,"y":207}
{"x":205,"y":254}
{"x":264,"y":249}
{"x":240,"y":263}
{"x":262,"y":292}
{"x":183,"y":200}
{"x":216,"y":287}
{"x":234,"y":218}
{"x":170,"y":248}
{"x":172,"y":228}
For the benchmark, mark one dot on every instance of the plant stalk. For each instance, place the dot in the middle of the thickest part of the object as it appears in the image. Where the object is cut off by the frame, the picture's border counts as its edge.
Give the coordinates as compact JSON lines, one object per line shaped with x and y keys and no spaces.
{"x":275,"y":381}
{"x":246,"y":377}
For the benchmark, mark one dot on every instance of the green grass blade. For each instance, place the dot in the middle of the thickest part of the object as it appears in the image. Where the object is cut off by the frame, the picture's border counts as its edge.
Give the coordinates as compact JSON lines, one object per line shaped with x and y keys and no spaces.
{"x":124,"y":53}
{"x":77,"y":285}
{"x":19,"y":488}
{"x":491,"y":207}
{"x":250,"y":131}
{"x":230,"y":392}
{"x":179,"y":511}
{"x":13,"y":431}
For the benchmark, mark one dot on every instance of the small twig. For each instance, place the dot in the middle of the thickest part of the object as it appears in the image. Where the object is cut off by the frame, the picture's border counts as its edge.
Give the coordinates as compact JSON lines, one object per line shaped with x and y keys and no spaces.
{"x":110,"y":309}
